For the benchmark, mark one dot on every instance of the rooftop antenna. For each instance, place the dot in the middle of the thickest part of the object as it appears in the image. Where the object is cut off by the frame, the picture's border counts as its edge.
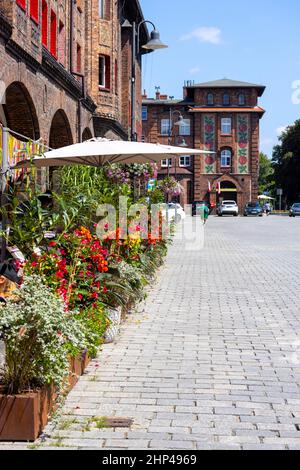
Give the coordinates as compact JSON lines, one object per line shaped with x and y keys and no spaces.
{"x":171,"y":97}
{"x":157,"y":89}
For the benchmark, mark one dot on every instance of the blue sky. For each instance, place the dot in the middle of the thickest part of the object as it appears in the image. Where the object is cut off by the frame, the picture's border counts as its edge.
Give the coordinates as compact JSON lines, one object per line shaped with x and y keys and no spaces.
{"x":255,"y":41}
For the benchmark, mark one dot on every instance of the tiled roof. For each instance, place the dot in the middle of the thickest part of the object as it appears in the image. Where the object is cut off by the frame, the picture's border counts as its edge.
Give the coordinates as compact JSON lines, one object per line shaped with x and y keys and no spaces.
{"x":206,"y":109}
{"x":227,"y":83}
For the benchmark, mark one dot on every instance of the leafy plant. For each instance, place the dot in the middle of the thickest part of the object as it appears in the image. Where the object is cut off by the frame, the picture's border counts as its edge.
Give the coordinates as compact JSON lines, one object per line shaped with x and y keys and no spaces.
{"x":37,"y":331}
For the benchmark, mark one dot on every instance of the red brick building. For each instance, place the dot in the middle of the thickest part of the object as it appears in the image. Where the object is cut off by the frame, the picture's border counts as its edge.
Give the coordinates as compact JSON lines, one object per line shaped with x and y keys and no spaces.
{"x":65,"y":68}
{"x":221,"y":116}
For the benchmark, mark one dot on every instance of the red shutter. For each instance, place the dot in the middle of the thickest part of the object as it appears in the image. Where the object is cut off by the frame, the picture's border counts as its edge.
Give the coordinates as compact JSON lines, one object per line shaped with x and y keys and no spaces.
{"x":22,"y":4}
{"x":107,"y":72}
{"x":53,"y":34}
{"x":34,"y":10}
{"x":45,"y":23}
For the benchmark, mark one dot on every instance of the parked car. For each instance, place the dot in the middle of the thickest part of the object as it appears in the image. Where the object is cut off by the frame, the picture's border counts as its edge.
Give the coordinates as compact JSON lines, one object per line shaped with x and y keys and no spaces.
{"x":228,"y":208}
{"x":295,"y":210}
{"x":175,"y":212}
{"x":253,"y":209}
{"x":197,"y":207}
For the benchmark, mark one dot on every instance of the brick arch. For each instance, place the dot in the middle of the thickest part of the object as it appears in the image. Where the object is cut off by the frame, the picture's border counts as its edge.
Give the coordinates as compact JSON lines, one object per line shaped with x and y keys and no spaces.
{"x":230,"y":179}
{"x":20,"y":111}
{"x":60,"y":130}
{"x":87,"y":134}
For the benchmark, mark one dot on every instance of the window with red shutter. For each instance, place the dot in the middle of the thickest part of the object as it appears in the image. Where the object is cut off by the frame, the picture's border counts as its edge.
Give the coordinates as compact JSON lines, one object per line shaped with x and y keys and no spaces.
{"x":53,"y":34}
{"x":22,"y":4}
{"x":104,"y":72}
{"x":34,"y":10}
{"x":44,"y":23}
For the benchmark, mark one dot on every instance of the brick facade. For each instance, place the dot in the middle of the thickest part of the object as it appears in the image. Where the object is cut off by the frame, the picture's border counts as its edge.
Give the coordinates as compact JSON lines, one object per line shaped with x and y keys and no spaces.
{"x":49,"y":57}
{"x":208,"y":175}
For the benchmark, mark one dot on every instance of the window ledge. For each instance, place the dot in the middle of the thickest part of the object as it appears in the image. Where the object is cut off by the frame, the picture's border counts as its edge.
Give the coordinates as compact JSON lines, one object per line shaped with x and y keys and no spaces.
{"x":106,"y":90}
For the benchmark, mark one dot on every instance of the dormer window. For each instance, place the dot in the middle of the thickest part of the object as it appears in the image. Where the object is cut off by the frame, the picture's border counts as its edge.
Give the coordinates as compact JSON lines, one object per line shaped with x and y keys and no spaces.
{"x":226,"y":99}
{"x":210,"y":99}
{"x":242,"y":99}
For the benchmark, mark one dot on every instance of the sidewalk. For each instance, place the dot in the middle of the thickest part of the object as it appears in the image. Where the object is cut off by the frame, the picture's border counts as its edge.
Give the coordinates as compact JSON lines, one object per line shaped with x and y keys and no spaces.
{"x":211,"y":362}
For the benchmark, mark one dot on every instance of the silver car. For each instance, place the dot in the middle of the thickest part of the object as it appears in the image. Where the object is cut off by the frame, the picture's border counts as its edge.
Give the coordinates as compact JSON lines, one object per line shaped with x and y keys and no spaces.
{"x":228,"y":208}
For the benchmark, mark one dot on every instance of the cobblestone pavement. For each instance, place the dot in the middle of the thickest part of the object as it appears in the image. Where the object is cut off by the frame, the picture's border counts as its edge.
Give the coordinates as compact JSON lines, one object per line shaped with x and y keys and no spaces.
{"x":212,"y":360}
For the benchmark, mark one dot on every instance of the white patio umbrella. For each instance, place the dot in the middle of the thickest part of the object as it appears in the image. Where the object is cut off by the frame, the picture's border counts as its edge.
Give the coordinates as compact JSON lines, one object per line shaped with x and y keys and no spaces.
{"x":97,"y":151}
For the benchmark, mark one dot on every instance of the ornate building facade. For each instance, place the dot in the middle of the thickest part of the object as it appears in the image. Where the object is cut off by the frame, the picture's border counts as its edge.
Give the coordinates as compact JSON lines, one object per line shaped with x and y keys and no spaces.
{"x":221,"y":116}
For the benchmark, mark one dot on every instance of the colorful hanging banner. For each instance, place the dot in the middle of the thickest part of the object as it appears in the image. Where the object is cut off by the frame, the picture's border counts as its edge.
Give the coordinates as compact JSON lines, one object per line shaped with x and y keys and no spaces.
{"x":243,"y":143}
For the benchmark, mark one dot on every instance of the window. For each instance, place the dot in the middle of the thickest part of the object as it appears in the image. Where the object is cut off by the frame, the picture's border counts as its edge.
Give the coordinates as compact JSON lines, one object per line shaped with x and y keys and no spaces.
{"x":185,"y":127}
{"x":185,"y":161}
{"x":34,"y":10}
{"x":226,"y":126}
{"x":22,"y":4}
{"x":45,"y":23}
{"x":226,"y":99}
{"x":143,"y":138}
{"x":53,"y":34}
{"x":210,"y":99}
{"x":226,"y":158}
{"x":104,"y":72}
{"x":166,"y":163}
{"x":242,"y":99}
{"x":61,"y":43}
{"x":144,"y":113}
{"x":116,"y":77}
{"x":102,"y":9}
{"x":165,"y":127}
{"x":78,"y":63}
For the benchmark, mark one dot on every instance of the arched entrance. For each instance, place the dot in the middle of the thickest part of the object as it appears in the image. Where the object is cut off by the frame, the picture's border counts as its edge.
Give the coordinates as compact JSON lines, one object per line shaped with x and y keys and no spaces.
{"x":60,"y":131}
{"x":20,"y":112}
{"x":228,"y":192}
{"x":87,"y":134}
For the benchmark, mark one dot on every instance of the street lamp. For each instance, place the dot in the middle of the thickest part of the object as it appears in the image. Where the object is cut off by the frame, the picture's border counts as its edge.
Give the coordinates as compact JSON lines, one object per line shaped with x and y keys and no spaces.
{"x":154,"y":43}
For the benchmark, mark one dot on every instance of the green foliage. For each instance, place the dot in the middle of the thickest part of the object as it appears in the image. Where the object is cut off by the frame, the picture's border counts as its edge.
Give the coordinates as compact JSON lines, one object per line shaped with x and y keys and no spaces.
{"x":286,"y":163}
{"x":266,"y":174}
{"x":37,"y":332}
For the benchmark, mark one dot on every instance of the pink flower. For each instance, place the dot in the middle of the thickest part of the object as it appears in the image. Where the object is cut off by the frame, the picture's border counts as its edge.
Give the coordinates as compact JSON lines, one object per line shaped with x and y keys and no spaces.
{"x":80,"y":296}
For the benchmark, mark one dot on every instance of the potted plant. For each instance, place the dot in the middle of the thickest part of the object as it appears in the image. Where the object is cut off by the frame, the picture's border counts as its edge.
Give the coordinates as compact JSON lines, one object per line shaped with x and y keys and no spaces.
{"x":38,"y":335}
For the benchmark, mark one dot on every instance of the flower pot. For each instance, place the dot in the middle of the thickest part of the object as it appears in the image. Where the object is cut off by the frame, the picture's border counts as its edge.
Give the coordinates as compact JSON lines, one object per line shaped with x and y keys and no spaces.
{"x":23,"y":416}
{"x":77,"y":367}
{"x":115,"y":319}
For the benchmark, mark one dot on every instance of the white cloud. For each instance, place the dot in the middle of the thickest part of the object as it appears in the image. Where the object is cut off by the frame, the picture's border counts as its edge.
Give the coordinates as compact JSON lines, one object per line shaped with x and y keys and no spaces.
{"x":194,"y":70}
{"x":280,"y":130}
{"x":209,"y":34}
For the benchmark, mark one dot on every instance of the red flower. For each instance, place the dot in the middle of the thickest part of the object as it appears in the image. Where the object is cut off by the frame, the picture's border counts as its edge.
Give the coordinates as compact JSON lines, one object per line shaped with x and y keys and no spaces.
{"x":59,"y":274}
{"x":52,"y":244}
{"x":95,"y":295}
{"x":34,"y":264}
{"x":80,"y":296}
{"x":105,"y":290}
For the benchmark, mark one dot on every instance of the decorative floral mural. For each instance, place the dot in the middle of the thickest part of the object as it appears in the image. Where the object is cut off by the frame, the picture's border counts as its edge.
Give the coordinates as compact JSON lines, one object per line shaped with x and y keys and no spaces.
{"x":209,"y":125}
{"x":243,"y":143}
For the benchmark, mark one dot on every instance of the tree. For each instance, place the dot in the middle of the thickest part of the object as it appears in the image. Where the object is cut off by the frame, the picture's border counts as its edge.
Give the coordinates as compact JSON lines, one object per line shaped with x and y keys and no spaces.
{"x":266,"y":181}
{"x":286,"y":163}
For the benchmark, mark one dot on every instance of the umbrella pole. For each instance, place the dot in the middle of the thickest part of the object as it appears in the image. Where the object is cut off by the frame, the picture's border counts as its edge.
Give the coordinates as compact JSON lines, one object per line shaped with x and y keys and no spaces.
{"x":3,"y":189}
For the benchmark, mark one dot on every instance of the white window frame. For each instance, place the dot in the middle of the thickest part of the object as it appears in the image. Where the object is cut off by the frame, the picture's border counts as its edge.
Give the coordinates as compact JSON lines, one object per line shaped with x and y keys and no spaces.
{"x":209,"y":96}
{"x":165,"y":127}
{"x":185,"y":161}
{"x":226,"y":158}
{"x":228,"y":96}
{"x":144,"y":113}
{"x":164,"y":163}
{"x":102,"y":58}
{"x":185,"y":127}
{"x":243,"y":96}
{"x":102,"y":9}
{"x":226,"y":126}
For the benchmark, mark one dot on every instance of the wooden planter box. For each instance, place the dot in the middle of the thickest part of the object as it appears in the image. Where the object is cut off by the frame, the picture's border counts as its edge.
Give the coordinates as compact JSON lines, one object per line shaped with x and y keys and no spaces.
{"x":23,"y":417}
{"x":77,"y":367}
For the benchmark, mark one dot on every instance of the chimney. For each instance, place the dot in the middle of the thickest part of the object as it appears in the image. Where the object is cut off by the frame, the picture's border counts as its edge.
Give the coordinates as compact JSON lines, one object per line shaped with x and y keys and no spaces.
{"x":157,"y":94}
{"x":163,"y":97}
{"x":144,"y":95}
